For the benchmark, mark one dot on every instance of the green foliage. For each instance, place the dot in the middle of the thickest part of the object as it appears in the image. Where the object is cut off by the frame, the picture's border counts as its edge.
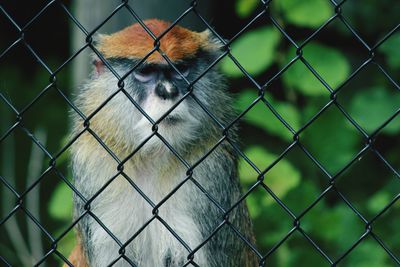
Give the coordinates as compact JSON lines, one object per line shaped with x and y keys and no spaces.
{"x":262,"y":117}
{"x":377,"y":201}
{"x":262,"y":43}
{"x":297,"y":96}
{"x":245,"y":7}
{"x":60,"y":208}
{"x":373,"y":106}
{"x":391,"y":50}
{"x":362,"y":256}
{"x":60,"y":205}
{"x":330,"y":138}
{"x":328,"y":62}
{"x":281,"y":178}
{"x":66,"y":244}
{"x":340,"y":221}
{"x":310,"y":13}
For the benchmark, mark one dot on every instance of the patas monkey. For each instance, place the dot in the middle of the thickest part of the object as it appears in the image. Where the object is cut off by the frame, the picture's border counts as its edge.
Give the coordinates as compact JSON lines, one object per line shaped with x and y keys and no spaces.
{"x":154,"y":170}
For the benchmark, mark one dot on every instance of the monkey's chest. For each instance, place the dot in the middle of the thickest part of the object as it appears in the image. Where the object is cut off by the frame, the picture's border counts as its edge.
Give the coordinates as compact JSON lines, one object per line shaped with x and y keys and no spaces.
{"x":132,"y":229}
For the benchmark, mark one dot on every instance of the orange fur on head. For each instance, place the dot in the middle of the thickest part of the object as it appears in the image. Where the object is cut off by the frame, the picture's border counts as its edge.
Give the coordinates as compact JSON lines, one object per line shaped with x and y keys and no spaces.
{"x":134,"y":42}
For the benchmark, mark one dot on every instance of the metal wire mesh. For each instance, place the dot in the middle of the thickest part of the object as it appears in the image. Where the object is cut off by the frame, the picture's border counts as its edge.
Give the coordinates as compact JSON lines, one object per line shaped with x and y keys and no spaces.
{"x":260,"y":183}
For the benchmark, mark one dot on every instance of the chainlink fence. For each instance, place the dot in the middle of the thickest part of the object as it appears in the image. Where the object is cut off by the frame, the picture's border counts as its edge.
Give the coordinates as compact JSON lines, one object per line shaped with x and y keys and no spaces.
{"x":21,"y":194}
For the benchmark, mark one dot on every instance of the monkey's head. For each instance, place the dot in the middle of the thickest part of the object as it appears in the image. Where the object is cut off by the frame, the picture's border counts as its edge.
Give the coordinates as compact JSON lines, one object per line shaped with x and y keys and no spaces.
{"x":155,"y":86}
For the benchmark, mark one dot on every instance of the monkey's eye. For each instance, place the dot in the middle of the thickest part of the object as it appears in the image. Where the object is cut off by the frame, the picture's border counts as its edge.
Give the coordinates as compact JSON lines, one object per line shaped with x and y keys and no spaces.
{"x":145,"y":74}
{"x":183,"y":69}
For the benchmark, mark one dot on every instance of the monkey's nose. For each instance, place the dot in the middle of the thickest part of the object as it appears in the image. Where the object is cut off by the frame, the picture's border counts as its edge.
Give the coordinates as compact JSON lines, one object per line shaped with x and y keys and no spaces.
{"x":166,"y":91}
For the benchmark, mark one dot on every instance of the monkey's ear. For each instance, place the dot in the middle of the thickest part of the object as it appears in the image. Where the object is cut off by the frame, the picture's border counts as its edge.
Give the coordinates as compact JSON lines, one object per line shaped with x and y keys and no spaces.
{"x":98,"y":64}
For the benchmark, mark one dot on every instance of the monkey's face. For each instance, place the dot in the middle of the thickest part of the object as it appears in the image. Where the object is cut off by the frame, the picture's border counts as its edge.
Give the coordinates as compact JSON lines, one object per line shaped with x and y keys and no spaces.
{"x":157,"y":88}
{"x":156,"y":94}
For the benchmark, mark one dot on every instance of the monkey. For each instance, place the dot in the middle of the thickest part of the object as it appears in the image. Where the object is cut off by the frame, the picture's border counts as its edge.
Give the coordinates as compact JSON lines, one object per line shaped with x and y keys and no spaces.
{"x":149,"y":197}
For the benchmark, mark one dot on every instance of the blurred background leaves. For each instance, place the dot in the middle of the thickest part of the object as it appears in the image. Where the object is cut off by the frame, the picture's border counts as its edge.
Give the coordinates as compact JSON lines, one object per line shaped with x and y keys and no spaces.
{"x":297,"y":96}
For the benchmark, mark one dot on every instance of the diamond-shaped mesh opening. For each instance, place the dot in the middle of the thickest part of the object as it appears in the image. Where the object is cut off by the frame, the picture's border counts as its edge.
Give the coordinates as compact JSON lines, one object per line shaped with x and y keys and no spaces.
{"x":51,"y":47}
{"x":258,"y":114}
{"x":386,"y":154}
{"x":315,"y":99}
{"x":24,"y":236}
{"x":359,"y":255}
{"x":383,"y":227}
{"x":48,"y":123}
{"x":269,"y":218}
{"x":346,"y":145}
{"x":357,"y":17}
{"x":21,"y":146}
{"x":381,"y":184}
{"x":390,"y":62}
{"x":308,"y":256}
{"x":334,"y":232}
{"x":21,"y":84}
{"x":382,"y":114}
{"x":305,"y":181}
